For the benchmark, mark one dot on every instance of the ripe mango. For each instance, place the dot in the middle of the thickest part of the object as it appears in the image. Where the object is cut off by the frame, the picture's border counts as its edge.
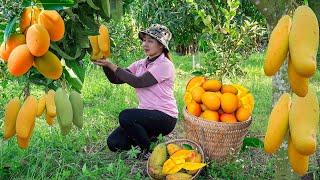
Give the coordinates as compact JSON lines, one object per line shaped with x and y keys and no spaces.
{"x":49,"y":65}
{"x":278,"y":124}
{"x":77,"y":108}
{"x":10,"y":117}
{"x":179,"y":176}
{"x":299,"y":84}
{"x":278,"y":46}
{"x":304,"y":41}
{"x":26,"y":117}
{"x":172,"y":148}
{"x":41,"y":105}
{"x":303,"y":122}
{"x":64,"y":111}
{"x":50,"y":104}
{"x":298,"y":162}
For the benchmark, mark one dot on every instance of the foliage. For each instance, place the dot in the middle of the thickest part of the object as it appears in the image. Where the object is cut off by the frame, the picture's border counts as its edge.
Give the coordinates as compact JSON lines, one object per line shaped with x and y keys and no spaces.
{"x":126,"y":46}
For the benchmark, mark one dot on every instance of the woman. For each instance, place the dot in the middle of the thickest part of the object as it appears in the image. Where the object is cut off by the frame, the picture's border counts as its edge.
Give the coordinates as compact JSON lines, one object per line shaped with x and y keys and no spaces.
{"x":153,"y":80}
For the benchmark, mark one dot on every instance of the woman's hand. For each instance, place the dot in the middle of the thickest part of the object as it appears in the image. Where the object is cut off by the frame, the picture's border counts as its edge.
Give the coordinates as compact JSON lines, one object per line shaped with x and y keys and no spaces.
{"x":106,"y":63}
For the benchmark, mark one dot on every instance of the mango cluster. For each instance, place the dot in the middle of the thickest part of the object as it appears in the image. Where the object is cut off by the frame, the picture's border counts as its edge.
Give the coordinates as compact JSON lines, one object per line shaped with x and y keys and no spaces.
{"x":298,"y":117}
{"x":19,"y":119}
{"x":100,"y":44}
{"x":213,"y":101}
{"x":30,"y":46}
{"x":298,"y":39}
{"x":174,"y":162}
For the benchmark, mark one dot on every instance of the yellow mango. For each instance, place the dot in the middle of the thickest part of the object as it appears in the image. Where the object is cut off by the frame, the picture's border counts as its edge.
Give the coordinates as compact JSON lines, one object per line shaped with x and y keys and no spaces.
{"x":181,"y":154}
{"x":10,"y":117}
{"x":26,"y":117}
{"x":172,"y":148}
{"x":303,"y":122}
{"x":104,"y":40}
{"x":50,"y":104}
{"x":94,"y":44}
{"x":196,"y":159}
{"x":278,"y":124}
{"x":299,"y":84}
{"x":179,"y":176}
{"x":168,"y":165}
{"x":193,"y":166}
{"x":278,"y":46}
{"x":23,"y":143}
{"x":49,"y":65}
{"x":304,"y":41}
{"x":49,"y":119}
{"x":41,"y":105}
{"x":298,"y":162}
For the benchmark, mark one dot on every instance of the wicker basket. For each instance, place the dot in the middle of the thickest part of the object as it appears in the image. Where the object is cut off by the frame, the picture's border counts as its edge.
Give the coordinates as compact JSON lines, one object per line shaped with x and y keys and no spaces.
{"x":180,"y":142}
{"x":220,"y":141}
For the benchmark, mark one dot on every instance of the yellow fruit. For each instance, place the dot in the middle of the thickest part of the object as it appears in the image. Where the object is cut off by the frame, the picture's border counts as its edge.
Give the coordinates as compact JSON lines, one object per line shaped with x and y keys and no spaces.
{"x":228,"y":118}
{"x":193,"y":166}
{"x":10,"y":117}
{"x":304,"y":121}
{"x":212,"y":85}
{"x":278,"y":46}
{"x":197,"y":93}
{"x":304,"y":41}
{"x":49,"y":66}
{"x":94,"y":45}
{"x":23,"y":143}
{"x":54,"y":24}
{"x":211,"y":100}
{"x":195,"y":82}
{"x":299,"y":84}
{"x":50,"y":104}
{"x":187,"y":98}
{"x":195,"y":159}
{"x":229,"y":102}
{"x":41,"y":105}
{"x":229,"y":89}
{"x":210,"y":115}
{"x":49,"y":119}
{"x":104,"y":40}
{"x":172,"y":148}
{"x":194,"y":108}
{"x":242,"y":114}
{"x":298,"y":162}
{"x":38,"y":40}
{"x":26,"y":117}
{"x":20,"y":60}
{"x":29,"y":17}
{"x":7,"y":47}
{"x":179,"y":176}
{"x":278,"y":124}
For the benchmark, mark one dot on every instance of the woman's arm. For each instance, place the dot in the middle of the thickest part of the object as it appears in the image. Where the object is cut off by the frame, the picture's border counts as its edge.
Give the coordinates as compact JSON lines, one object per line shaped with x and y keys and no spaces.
{"x":125,"y":76}
{"x":145,"y":80}
{"x":111,"y":76}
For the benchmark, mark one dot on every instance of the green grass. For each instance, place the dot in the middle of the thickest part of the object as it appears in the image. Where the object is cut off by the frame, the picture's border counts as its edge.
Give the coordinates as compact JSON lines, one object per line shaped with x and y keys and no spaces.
{"x":83,"y":153}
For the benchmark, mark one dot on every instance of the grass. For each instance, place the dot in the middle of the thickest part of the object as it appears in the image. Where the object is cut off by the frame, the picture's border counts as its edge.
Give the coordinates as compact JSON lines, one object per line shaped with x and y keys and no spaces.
{"x":83,"y":153}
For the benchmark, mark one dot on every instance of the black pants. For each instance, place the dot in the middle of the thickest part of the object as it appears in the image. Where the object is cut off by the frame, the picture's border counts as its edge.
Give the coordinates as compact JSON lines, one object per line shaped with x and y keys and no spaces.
{"x":138,"y":127}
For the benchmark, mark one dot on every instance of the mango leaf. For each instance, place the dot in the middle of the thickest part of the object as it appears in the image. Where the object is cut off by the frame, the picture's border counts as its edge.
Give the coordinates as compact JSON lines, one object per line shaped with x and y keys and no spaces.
{"x":78,"y":68}
{"x":91,"y":4}
{"x":26,"y":3}
{"x":64,"y":55}
{"x":187,"y":146}
{"x":9,"y":28}
{"x":72,"y":79}
{"x":251,"y":142}
{"x":55,"y":4}
{"x":197,"y":73}
{"x":105,"y":4}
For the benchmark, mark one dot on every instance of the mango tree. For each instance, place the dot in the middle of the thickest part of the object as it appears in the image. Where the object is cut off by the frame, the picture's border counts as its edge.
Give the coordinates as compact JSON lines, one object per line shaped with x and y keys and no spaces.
{"x":81,"y":19}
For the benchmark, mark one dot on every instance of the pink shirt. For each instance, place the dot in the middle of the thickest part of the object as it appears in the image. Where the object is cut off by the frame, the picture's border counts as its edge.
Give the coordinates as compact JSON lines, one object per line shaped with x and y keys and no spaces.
{"x":159,"y":96}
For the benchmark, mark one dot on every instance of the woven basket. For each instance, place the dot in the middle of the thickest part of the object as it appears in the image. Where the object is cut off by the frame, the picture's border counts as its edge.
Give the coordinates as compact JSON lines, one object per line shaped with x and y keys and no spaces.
{"x":220,"y":141}
{"x":180,"y":142}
